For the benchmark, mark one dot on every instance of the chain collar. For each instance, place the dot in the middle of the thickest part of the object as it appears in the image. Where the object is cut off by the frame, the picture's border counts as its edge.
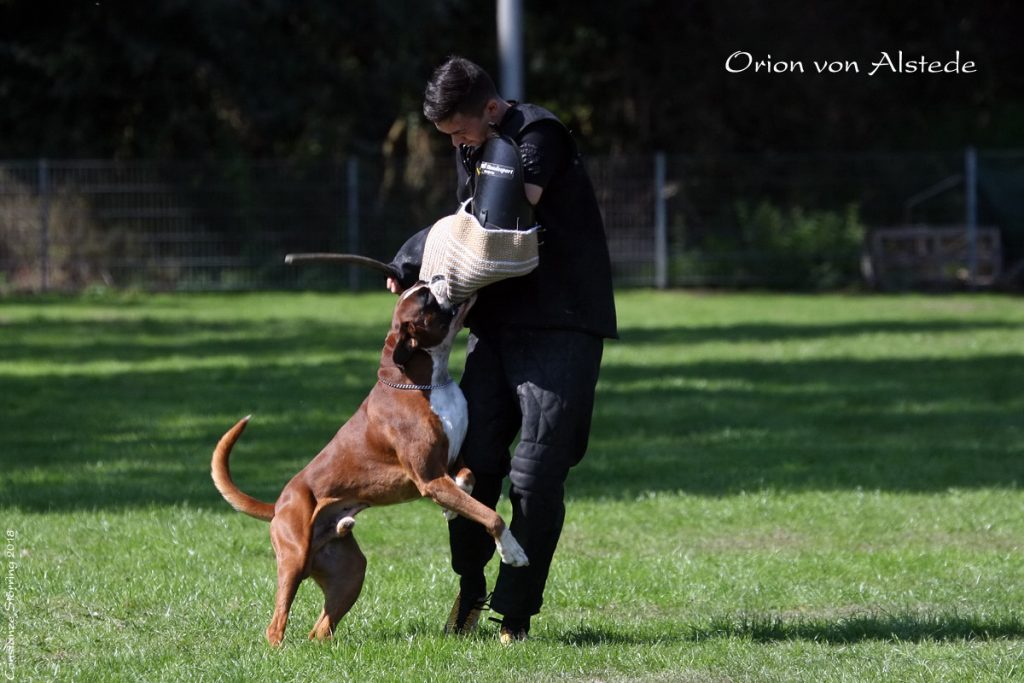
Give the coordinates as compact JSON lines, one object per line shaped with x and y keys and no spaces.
{"x":415,"y":387}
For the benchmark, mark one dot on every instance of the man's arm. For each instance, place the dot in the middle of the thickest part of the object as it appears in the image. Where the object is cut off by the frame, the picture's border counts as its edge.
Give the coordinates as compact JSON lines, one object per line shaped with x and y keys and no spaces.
{"x":533,"y":193}
{"x":543,"y":150}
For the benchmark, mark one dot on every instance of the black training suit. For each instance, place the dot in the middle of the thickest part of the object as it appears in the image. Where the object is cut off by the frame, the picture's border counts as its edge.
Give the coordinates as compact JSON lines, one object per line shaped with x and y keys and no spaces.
{"x":533,"y":358}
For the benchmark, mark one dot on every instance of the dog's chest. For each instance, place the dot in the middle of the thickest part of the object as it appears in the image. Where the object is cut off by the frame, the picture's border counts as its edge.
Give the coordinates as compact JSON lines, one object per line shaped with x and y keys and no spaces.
{"x":449,"y":405}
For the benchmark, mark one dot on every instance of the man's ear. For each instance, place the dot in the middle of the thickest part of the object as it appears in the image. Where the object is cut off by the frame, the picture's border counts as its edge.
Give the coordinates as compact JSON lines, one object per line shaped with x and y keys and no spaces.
{"x":406,"y":344}
{"x":491,"y":109}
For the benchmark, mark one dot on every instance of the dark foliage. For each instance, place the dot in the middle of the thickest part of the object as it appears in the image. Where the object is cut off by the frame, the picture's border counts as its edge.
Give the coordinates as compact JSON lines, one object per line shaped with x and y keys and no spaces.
{"x":322,"y":78}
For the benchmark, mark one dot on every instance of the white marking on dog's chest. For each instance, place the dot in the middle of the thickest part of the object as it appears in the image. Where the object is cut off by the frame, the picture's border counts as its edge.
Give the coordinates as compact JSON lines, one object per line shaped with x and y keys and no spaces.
{"x":449,"y":405}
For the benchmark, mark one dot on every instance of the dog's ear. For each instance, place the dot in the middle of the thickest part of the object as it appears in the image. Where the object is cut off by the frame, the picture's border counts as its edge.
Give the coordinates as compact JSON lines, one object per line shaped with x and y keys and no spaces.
{"x":406,"y":344}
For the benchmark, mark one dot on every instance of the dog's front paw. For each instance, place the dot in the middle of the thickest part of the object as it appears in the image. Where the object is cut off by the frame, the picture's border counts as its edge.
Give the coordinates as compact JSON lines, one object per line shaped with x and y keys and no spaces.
{"x":511,"y":552}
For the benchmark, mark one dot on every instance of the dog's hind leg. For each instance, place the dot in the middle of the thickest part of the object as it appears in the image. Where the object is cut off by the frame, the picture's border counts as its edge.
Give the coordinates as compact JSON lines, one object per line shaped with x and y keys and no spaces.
{"x":339,"y":567}
{"x":290,"y":533}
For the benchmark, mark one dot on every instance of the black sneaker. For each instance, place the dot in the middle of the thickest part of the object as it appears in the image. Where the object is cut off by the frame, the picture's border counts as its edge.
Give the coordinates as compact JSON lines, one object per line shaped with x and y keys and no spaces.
{"x":464,"y":616}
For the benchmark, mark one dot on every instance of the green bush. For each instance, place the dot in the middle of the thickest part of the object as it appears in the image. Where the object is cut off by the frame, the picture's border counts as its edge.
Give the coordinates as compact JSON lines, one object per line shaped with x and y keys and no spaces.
{"x":785,"y":248}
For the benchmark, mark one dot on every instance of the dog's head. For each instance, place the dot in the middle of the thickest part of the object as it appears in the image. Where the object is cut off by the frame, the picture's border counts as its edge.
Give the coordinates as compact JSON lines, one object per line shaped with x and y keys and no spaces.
{"x":421,"y":321}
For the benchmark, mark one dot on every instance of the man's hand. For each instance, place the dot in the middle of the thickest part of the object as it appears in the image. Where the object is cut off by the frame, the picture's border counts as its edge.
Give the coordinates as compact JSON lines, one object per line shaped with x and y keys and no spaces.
{"x":393,"y":286}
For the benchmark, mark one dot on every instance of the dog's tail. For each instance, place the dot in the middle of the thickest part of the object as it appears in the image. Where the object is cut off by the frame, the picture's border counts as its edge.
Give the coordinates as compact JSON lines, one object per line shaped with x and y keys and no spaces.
{"x":239,"y":500}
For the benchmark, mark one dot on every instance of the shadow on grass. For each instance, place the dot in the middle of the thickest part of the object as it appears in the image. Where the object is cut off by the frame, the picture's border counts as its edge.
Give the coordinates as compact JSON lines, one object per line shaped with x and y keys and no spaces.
{"x":721,"y":427}
{"x":77,"y":434}
{"x":745,"y":333}
{"x":69,"y":343}
{"x":854,"y":629}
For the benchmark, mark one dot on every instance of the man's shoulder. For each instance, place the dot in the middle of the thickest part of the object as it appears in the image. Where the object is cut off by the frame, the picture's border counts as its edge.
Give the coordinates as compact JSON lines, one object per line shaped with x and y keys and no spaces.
{"x":524,"y":115}
{"x":538,"y":127}
{"x":536,"y":112}
{"x":535,"y":115}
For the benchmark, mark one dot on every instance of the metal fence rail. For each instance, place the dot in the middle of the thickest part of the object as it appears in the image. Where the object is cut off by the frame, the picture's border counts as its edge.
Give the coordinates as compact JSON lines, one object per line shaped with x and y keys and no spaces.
{"x":742,"y":220}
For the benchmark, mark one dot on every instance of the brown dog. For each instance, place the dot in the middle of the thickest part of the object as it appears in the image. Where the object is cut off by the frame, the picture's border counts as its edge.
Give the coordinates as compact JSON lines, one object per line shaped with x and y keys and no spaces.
{"x":402,"y":443}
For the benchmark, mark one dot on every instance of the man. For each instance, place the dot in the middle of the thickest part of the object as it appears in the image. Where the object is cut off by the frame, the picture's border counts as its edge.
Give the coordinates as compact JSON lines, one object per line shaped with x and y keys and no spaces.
{"x":535,"y":342}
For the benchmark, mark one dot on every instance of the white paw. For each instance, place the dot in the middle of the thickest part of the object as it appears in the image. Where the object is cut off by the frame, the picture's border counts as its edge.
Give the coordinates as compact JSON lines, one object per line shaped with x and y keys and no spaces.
{"x":464,"y":485}
{"x":345,"y":525}
{"x":511,"y":552}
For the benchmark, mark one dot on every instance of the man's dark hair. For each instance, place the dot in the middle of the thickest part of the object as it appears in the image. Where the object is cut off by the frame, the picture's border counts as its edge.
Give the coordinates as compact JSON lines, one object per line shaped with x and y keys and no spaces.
{"x":457,"y":87}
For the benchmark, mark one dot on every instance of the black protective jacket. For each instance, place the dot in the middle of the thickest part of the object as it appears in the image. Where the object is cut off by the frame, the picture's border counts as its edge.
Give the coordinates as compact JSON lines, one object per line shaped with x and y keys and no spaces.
{"x":571,"y":289}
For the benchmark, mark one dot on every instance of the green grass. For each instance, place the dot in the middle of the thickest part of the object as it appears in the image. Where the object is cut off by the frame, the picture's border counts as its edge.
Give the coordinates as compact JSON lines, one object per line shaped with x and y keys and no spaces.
{"x":778,"y":488}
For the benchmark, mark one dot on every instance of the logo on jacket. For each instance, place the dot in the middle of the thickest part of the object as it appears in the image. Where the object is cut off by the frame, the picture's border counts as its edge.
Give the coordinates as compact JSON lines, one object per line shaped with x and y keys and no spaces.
{"x":495,"y":170}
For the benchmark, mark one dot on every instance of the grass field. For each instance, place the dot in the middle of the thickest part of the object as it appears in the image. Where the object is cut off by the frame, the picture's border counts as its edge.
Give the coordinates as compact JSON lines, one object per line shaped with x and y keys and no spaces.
{"x":779,"y":488}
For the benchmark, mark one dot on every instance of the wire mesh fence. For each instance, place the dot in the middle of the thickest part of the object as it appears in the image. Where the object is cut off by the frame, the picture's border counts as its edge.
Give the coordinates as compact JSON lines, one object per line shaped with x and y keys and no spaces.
{"x":790,"y":221}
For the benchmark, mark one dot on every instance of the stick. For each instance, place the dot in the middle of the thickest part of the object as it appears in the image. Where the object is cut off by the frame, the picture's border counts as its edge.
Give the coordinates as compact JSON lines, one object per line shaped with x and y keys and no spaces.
{"x":351,"y":259}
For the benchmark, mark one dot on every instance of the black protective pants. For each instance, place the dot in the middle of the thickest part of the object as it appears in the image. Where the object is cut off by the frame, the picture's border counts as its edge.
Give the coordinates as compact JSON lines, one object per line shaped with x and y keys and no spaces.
{"x":538,"y":384}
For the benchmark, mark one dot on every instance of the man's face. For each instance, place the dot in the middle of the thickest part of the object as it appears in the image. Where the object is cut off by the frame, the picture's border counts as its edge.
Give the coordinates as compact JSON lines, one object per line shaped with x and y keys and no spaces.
{"x":466,"y":130}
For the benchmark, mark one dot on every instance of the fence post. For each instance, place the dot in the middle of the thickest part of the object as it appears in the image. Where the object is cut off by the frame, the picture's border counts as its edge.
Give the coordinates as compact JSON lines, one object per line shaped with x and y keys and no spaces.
{"x":44,"y":224}
{"x":510,"y":47}
{"x":352,"y":176}
{"x":971,"y":186}
{"x":660,"y":224}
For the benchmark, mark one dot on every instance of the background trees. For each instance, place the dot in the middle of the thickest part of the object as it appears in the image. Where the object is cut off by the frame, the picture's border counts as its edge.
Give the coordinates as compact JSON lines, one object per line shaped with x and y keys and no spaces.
{"x":320,"y":79}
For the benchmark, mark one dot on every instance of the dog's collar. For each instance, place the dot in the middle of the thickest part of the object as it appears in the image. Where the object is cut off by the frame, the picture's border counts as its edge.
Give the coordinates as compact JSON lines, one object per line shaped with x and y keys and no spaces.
{"x":415,"y":387}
